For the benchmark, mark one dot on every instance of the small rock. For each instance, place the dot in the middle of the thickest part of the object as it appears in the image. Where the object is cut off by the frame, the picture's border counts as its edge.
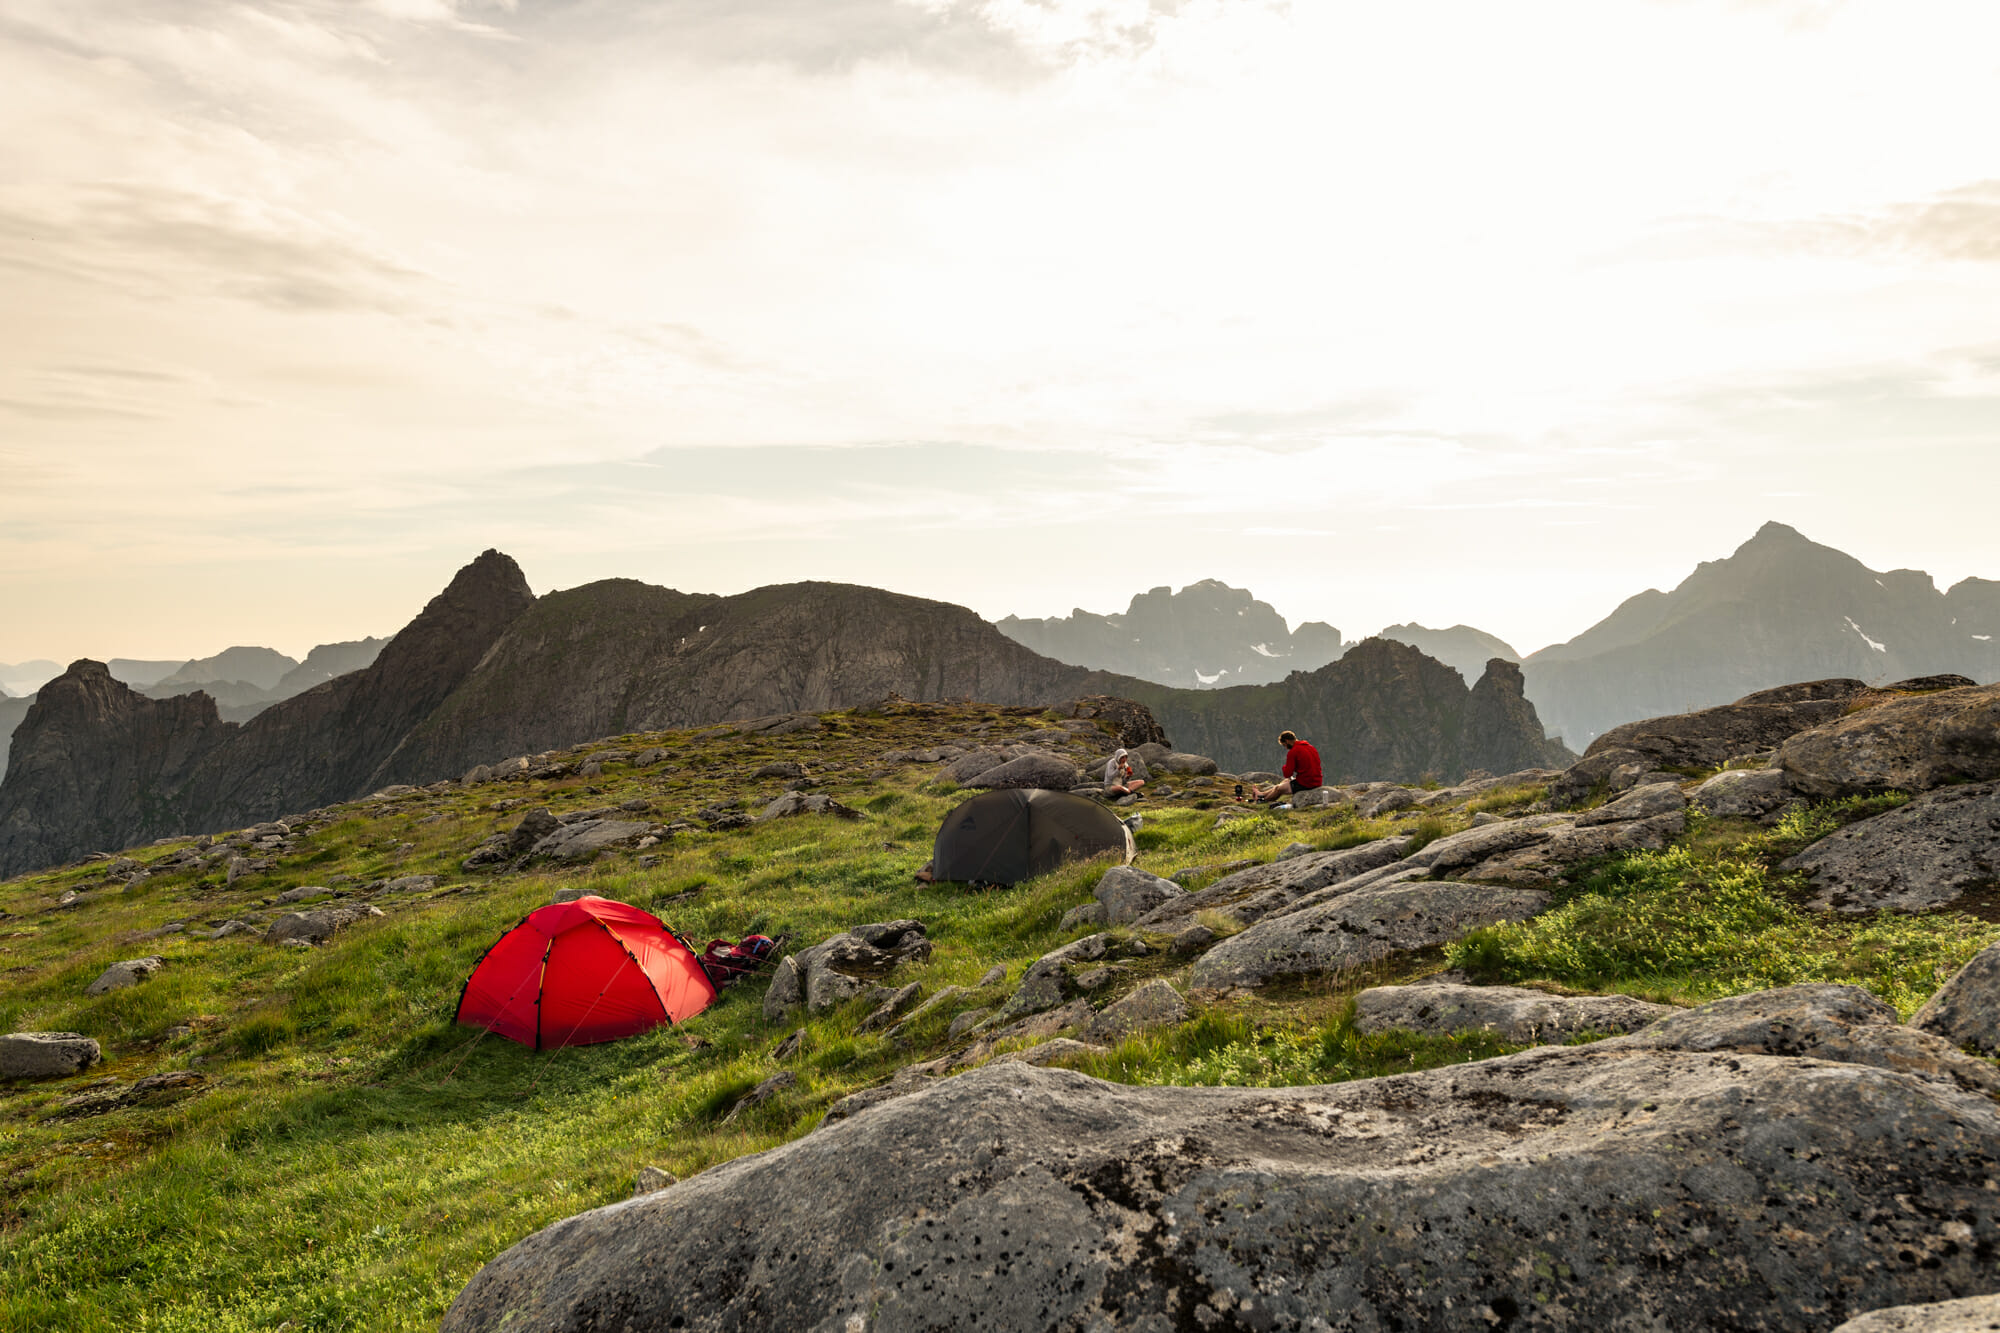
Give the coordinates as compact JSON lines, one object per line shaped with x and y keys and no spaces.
{"x":1086,"y":914}
{"x":1192,"y":938}
{"x":790,"y":1046}
{"x":890,"y":1009}
{"x":121,"y":975}
{"x":1742,"y":793}
{"x":799,"y":803}
{"x":993,"y":976}
{"x":762,"y":1093}
{"x":305,"y":929}
{"x":1658,"y":798}
{"x":46,"y":1054}
{"x":303,"y":892}
{"x":1155,"y":1004}
{"x":1050,"y":1052}
{"x":653,"y":1179}
{"x":965,"y":1022}
{"x":1294,"y":849}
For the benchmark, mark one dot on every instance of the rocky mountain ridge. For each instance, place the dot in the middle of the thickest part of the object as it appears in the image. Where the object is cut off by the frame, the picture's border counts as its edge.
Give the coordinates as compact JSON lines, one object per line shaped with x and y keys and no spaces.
{"x":488,"y":672}
{"x":1205,"y":636}
{"x":1781,"y":608}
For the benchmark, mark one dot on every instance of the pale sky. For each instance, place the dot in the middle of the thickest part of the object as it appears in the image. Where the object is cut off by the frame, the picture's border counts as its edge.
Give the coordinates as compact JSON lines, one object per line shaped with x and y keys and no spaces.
{"x":1436,"y":311}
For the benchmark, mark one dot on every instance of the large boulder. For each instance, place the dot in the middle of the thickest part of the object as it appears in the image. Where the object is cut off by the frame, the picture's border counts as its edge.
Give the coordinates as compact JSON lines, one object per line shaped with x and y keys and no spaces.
{"x":1917,"y":856}
{"x":1912,"y":743}
{"x":1966,"y":1009}
{"x":1562,"y":1188}
{"x":1359,"y":927}
{"x":974,"y":762}
{"x":46,"y":1054}
{"x":1508,"y":1012}
{"x":121,"y":975}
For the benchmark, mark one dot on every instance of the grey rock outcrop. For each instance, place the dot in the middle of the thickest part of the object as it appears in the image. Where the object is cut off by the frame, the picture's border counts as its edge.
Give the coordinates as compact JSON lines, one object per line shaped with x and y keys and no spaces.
{"x":1912,"y":744}
{"x":1508,"y":1012}
{"x":1826,"y":1022}
{"x":46,"y":1054}
{"x":1359,"y":927}
{"x":125,"y":974}
{"x":843,"y":966}
{"x":1918,"y":856}
{"x":1254,"y":893}
{"x":1743,"y":793}
{"x":1603,"y":1186}
{"x":1965,"y":1011}
{"x":1154,"y":1005}
{"x":1049,"y":772}
{"x":1054,"y":979}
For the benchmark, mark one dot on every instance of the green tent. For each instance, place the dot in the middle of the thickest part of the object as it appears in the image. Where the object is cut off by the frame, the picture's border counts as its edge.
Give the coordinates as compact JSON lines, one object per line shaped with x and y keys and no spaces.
{"x":1004,"y":837}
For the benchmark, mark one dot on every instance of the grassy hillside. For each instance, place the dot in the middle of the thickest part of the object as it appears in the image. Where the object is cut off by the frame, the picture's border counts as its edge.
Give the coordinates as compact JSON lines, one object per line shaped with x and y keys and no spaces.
{"x":348,"y":1157}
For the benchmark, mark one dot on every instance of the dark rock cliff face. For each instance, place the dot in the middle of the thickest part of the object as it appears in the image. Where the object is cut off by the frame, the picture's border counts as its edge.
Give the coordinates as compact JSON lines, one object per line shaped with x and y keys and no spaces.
{"x":1384,"y":711}
{"x":621,"y":656}
{"x":97,"y":765}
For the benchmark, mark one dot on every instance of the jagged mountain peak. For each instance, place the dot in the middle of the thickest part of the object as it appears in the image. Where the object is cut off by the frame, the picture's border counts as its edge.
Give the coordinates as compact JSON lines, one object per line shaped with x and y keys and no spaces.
{"x":1781,"y":607}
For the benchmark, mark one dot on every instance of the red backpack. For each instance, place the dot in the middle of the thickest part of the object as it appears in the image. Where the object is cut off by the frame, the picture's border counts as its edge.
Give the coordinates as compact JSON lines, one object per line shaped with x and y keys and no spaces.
{"x":727,"y":961}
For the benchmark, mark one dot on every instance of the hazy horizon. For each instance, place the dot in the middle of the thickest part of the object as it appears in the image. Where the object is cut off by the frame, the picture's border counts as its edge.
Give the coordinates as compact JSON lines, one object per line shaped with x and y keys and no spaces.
{"x":1350,"y":634}
{"x":1447,"y":313}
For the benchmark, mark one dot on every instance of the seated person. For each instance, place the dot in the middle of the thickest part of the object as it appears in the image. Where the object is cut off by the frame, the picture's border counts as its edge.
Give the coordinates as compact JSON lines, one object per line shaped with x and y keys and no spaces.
{"x":1301,"y":771}
{"x":1118,"y":779}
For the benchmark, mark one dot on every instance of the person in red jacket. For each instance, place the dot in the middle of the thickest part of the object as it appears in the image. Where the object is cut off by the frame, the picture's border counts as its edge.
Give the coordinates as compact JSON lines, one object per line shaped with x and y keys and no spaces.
{"x":1301,"y":770}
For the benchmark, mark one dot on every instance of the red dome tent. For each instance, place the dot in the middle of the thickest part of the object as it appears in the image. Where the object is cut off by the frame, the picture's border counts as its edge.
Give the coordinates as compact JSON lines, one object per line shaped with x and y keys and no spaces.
{"x":581,"y":972}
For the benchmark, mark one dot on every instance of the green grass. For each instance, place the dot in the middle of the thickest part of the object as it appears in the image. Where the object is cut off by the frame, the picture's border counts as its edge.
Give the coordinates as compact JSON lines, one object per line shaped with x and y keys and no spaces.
{"x":1712,"y":917}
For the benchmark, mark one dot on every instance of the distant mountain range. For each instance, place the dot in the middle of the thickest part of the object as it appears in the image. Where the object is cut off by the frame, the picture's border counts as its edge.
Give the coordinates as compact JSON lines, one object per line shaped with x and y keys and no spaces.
{"x":1206,"y":636}
{"x":488,"y":670}
{"x":1781,"y":609}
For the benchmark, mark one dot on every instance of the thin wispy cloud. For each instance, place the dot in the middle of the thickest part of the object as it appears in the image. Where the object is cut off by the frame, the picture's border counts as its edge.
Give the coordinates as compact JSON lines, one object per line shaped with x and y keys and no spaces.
{"x":1378,"y":310}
